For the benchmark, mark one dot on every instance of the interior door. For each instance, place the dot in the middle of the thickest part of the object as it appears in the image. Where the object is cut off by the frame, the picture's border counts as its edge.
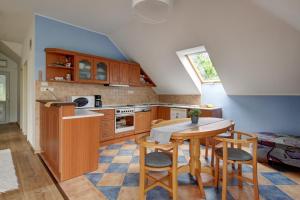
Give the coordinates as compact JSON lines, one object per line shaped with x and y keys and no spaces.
{"x":4,"y":94}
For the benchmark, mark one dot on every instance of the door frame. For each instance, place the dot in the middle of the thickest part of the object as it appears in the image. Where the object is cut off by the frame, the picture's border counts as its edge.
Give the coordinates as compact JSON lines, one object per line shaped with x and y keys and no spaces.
{"x":7,"y":104}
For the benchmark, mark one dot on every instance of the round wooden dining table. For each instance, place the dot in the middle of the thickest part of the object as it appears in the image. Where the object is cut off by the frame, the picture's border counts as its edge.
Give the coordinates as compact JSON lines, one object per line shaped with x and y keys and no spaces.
{"x":209,"y":127}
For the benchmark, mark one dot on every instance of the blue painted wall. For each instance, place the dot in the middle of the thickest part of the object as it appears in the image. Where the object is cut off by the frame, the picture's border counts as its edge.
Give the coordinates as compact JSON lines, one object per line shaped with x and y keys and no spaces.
{"x":53,"y":34}
{"x":280,"y":114}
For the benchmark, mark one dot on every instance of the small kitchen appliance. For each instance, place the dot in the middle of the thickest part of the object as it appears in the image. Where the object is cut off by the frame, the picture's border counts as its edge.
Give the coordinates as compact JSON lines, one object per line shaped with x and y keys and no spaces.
{"x":98,"y":101}
{"x":83,"y":101}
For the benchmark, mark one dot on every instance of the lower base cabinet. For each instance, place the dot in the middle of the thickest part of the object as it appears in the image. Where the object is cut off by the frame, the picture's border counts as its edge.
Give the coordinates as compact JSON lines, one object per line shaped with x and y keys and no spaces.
{"x":142,"y":122}
{"x":69,"y":146}
{"x":107,"y":131}
{"x":164,"y":113}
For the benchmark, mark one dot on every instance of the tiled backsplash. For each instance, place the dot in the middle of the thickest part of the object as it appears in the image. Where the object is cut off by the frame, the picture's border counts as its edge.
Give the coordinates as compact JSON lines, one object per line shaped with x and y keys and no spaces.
{"x":180,"y":99}
{"x":110,"y":95}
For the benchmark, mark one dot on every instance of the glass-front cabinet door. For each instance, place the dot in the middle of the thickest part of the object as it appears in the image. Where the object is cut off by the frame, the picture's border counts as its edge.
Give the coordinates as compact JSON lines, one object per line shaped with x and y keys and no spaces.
{"x":85,"y":68}
{"x":101,"y":70}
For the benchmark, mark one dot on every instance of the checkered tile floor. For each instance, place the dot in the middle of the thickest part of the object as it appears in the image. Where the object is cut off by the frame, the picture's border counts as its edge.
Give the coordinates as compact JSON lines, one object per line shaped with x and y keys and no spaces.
{"x":118,"y":178}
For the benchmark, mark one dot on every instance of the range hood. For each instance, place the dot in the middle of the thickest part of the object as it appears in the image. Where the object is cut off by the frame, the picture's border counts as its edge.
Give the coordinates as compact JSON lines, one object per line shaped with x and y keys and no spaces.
{"x":117,"y":85}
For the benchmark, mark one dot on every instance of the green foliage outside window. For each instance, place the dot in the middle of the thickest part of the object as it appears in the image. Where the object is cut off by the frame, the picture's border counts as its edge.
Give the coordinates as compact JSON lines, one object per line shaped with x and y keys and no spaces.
{"x":204,"y":67}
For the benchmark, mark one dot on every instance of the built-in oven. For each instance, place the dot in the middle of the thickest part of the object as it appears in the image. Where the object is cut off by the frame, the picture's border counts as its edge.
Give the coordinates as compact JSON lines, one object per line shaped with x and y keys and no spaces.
{"x":124,"y":119}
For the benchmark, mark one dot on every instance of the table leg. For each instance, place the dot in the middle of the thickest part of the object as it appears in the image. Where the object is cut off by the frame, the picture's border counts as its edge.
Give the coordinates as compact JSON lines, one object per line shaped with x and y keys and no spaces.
{"x":195,"y":164}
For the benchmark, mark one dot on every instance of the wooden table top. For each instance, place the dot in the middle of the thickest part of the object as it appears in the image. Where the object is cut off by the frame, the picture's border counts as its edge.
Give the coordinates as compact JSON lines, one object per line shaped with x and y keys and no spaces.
{"x":211,"y":127}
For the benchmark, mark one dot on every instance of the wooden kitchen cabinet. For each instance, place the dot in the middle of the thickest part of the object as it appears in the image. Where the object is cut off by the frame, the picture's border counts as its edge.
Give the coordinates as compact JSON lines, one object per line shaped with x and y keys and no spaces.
{"x":142,"y":122}
{"x":154,"y":113}
{"x":164,"y":113}
{"x":134,"y":75}
{"x":211,"y":112}
{"x":119,"y":73}
{"x":114,"y":73}
{"x":84,"y":68}
{"x":107,"y":131}
{"x":101,"y":71}
{"x":77,"y":67}
{"x":69,"y":145}
{"x":124,"y":74}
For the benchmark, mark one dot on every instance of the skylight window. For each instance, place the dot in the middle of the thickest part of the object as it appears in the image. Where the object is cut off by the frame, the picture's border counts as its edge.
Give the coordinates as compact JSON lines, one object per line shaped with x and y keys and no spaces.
{"x":203,"y":67}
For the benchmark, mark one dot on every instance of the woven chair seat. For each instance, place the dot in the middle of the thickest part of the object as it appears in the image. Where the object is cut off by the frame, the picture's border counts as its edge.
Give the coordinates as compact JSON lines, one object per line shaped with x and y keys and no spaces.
{"x":235,"y":154}
{"x":158,"y":159}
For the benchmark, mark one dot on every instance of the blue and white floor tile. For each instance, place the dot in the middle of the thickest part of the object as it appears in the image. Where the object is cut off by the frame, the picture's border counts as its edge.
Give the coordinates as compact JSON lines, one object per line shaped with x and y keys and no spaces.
{"x":118,"y":178}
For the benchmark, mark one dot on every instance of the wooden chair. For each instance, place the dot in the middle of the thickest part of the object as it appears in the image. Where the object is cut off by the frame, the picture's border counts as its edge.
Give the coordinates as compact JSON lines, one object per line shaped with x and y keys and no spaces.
{"x":162,"y":160}
{"x":237,"y":155}
{"x":211,"y":143}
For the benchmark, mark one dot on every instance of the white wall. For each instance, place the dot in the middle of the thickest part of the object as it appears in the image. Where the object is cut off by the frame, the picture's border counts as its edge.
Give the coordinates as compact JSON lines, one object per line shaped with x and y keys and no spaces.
{"x":12,"y":69}
{"x":28,"y":94}
{"x":14,"y":46}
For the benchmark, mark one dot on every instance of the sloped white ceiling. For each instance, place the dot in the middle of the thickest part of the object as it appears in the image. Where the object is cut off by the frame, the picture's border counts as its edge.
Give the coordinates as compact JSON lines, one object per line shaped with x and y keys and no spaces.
{"x":288,"y":10}
{"x":254,"y":44}
{"x":254,"y":52}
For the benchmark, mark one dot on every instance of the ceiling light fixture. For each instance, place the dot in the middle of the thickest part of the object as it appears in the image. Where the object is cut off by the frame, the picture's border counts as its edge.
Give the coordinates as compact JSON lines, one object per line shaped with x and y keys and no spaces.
{"x":152,"y":11}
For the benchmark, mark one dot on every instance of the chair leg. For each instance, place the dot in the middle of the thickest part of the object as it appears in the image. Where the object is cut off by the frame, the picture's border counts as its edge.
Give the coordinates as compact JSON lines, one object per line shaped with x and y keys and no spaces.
{"x":216,"y":181}
{"x":206,"y":147}
{"x":232,"y":146}
{"x":142,"y":173}
{"x":174,"y":185}
{"x":213,"y":147}
{"x":142,"y":184}
{"x":240,"y":183}
{"x":224,"y":181}
{"x":170,"y":182}
{"x":255,"y":182}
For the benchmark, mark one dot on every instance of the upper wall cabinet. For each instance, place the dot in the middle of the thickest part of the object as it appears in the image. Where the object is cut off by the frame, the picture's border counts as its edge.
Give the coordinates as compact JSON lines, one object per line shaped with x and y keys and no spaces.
{"x":60,"y":65}
{"x":70,"y":66}
{"x":84,"y":69}
{"x":134,"y":75}
{"x":114,"y":72}
{"x":101,"y":71}
{"x":119,"y":73}
{"x":124,"y":74}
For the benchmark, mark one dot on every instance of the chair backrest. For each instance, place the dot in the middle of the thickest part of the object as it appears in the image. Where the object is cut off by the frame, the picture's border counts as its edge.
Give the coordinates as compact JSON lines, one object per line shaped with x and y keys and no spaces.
{"x":145,"y":144}
{"x":240,"y":140}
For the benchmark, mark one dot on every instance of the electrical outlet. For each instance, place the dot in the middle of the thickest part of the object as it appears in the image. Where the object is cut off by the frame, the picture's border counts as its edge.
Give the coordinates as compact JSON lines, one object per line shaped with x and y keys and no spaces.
{"x":50,"y":89}
{"x":43,"y":89}
{"x":44,"y":84}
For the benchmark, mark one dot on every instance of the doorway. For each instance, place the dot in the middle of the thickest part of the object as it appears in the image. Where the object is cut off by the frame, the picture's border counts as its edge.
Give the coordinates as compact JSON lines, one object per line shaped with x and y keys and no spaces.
{"x":4,"y":97}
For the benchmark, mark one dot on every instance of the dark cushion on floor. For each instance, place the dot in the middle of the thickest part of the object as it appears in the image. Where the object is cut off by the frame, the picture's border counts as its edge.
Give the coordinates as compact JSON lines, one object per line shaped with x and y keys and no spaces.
{"x":158,"y":159}
{"x":235,"y":154}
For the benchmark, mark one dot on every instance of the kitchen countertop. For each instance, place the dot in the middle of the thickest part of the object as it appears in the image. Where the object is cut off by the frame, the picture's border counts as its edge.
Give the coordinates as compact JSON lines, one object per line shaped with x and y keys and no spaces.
{"x":184,"y":106}
{"x":82,"y":113}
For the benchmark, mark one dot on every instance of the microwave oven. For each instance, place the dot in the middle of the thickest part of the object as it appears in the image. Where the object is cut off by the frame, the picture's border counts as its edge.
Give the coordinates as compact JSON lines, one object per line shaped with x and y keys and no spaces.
{"x":83,"y":101}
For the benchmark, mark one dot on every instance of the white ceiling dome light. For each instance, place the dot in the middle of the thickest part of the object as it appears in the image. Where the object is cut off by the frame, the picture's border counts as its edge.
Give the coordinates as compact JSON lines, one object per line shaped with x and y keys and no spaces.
{"x":152,"y":11}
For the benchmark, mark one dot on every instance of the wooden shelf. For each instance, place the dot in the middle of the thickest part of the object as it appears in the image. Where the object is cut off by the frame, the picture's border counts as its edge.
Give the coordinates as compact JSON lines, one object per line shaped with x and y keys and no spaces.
{"x":64,"y":81}
{"x":60,"y":67}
